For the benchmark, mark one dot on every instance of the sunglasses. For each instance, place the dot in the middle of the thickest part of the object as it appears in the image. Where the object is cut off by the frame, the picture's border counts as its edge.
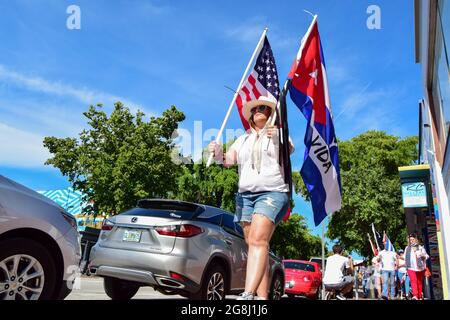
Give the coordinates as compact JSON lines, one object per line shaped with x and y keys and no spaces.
{"x":259,"y":109}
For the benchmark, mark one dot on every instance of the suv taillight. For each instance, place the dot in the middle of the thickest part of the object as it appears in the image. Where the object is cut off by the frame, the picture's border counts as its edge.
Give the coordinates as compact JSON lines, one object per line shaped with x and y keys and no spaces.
{"x":107,"y":225}
{"x":183,"y":230}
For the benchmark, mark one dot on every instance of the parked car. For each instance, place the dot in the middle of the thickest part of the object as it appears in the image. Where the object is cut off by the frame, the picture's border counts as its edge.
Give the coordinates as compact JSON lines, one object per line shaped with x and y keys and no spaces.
{"x":176,"y":247}
{"x":39,"y":245}
{"x":318,"y":260}
{"x":303,"y":278}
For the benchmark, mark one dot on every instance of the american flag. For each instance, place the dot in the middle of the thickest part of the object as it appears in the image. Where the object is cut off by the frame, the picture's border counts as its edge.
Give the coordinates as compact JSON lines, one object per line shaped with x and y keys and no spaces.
{"x":262,"y":81}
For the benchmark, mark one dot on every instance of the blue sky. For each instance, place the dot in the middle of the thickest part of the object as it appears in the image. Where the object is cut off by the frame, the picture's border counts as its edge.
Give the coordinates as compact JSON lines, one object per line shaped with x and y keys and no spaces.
{"x":153,"y":54}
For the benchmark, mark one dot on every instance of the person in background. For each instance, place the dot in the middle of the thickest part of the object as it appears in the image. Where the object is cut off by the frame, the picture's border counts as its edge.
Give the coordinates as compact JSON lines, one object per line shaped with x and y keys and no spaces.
{"x":335,"y":278}
{"x":388,"y":260}
{"x":402,"y":275}
{"x":415,"y":258}
{"x":366,"y":273}
{"x":376,"y":276}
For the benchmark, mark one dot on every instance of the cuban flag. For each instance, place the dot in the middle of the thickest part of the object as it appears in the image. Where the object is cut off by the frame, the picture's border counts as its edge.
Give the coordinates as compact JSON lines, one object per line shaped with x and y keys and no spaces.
{"x":388,"y":246}
{"x":309,"y":91}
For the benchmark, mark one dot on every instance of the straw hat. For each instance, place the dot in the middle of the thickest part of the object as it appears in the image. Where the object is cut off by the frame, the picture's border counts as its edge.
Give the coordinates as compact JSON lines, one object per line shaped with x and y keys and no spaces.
{"x":261,"y":101}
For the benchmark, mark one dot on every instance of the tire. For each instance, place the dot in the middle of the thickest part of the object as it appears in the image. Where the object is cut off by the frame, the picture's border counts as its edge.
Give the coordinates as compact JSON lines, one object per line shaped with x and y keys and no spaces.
{"x":276,"y":287}
{"x":29,"y":254}
{"x":213,"y":286}
{"x":318,"y":295}
{"x":350,"y":295}
{"x":64,"y":291}
{"x":118,"y":289}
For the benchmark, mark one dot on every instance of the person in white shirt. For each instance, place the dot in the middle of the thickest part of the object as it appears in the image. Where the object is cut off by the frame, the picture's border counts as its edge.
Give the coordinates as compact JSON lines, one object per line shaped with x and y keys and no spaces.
{"x":388,"y":260}
{"x":334,"y":277}
{"x":376,"y":277}
{"x":263,"y":197}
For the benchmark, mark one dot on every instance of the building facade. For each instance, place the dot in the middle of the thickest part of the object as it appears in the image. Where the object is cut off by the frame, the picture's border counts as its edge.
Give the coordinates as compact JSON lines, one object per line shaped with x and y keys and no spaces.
{"x":432,"y":39}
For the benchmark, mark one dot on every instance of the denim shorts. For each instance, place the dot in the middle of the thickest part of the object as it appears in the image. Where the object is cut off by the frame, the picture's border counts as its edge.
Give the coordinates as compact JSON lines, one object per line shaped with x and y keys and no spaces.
{"x":271,"y":204}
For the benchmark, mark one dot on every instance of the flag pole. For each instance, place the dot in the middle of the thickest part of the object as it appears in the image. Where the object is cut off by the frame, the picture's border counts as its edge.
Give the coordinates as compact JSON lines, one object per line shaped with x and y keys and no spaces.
{"x":323,"y":258}
{"x":219,"y":135}
{"x":371,"y":244}
{"x":375,"y":237}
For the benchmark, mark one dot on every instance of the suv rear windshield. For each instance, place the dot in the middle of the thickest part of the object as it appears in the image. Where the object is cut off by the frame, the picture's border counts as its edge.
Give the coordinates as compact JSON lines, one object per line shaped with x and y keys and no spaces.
{"x":158,"y":213}
{"x":299,"y":266}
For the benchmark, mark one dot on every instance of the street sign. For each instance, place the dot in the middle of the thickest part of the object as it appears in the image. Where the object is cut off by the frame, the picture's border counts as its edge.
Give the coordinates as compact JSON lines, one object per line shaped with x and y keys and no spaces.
{"x":414,"y":195}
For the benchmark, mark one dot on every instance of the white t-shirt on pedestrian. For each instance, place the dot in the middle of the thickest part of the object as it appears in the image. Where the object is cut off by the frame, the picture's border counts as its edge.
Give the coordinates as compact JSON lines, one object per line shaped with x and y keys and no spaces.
{"x":271,"y":176}
{"x":388,"y":259}
{"x":334,"y":271}
{"x":402,"y":263}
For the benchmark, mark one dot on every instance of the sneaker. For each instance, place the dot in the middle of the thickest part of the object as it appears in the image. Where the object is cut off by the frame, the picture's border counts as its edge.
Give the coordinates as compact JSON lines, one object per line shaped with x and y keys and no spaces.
{"x":259,"y":298}
{"x":246,"y":296}
{"x":340,"y":297}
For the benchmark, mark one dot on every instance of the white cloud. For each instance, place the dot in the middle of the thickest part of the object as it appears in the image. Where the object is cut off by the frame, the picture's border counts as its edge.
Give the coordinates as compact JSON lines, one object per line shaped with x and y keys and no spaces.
{"x":21,"y":148}
{"x":248,"y":32}
{"x":48,"y":108}
{"x":84,"y":95}
{"x":150,"y":8}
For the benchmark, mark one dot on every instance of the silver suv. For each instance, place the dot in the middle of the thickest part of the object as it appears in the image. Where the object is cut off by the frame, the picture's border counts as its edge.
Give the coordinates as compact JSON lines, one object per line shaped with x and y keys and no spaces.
{"x":176,"y":247}
{"x":39,"y":245}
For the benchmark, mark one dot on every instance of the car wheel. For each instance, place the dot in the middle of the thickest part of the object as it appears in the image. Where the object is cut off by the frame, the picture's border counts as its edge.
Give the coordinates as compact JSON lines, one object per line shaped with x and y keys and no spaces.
{"x":118,"y":289}
{"x":318,"y":295}
{"x":276,"y":287}
{"x":27,"y":271}
{"x":213,"y":285}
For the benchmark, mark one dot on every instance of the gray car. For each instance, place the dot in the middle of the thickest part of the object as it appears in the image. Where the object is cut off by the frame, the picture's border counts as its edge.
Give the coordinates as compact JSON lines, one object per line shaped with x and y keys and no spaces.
{"x":39,"y":245}
{"x":176,"y":247}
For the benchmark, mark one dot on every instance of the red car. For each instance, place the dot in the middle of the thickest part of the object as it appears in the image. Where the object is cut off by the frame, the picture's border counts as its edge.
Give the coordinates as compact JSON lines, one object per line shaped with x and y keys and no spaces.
{"x":302,"y":278}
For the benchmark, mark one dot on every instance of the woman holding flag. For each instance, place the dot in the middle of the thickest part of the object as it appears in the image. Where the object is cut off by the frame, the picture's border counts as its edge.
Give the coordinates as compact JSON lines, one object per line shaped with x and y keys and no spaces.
{"x":263,"y":197}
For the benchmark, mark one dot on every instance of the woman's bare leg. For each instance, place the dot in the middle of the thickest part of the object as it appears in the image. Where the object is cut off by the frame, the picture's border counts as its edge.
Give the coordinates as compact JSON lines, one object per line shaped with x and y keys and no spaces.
{"x":246,"y":227}
{"x":261,"y":230}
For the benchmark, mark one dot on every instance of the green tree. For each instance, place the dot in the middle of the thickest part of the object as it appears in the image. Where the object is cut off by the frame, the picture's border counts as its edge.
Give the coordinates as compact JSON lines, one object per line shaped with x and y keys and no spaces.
{"x":293,"y":240}
{"x":371,"y":191}
{"x":211,"y":185}
{"x":120,"y":158}
{"x":215,"y":185}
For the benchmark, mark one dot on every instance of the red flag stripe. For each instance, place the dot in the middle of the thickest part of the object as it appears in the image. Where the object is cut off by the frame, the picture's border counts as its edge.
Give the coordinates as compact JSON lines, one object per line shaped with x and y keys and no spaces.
{"x":239,"y":105}
{"x":247,"y":93}
{"x":255,"y":91}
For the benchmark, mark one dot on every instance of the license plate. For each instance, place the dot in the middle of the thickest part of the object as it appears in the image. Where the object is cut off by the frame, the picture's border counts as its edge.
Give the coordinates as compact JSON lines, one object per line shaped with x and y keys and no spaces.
{"x":132,"y":235}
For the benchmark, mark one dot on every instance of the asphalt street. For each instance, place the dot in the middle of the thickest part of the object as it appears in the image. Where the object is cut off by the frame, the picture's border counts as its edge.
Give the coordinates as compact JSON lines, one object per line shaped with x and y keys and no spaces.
{"x":91,"y":288}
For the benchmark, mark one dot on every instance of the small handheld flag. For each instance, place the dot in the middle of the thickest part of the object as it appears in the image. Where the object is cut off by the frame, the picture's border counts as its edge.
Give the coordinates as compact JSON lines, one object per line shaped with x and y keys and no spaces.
{"x":388,"y":246}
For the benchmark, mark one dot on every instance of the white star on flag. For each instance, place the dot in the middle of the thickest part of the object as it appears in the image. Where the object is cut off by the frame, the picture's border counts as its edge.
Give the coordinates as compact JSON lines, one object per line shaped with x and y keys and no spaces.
{"x":314,"y":73}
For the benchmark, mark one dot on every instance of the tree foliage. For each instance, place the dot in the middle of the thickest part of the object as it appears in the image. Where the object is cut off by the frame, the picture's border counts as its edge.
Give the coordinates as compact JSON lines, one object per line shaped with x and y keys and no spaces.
{"x":293,"y":240}
{"x":119,"y":159}
{"x":371,"y":190}
{"x":213,"y":185}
